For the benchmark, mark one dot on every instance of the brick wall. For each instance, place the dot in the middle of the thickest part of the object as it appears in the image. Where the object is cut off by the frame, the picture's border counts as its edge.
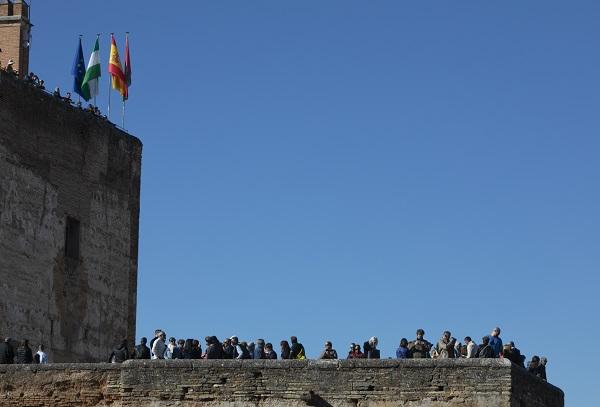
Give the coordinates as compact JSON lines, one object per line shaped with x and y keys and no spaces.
{"x":14,"y":29}
{"x":351,"y":383}
{"x":59,"y":162}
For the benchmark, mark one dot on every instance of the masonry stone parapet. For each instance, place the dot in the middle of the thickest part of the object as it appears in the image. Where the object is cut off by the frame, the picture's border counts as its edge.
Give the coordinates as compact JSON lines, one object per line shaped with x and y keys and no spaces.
{"x":245,"y":383}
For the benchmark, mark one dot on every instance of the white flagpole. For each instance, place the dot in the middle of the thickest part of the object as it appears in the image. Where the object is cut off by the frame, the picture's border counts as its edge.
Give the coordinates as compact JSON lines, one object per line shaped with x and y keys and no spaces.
{"x":123,"y":117}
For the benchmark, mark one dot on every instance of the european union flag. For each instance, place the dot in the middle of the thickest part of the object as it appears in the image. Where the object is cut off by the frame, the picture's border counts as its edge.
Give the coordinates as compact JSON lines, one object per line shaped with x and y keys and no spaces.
{"x":78,"y":70}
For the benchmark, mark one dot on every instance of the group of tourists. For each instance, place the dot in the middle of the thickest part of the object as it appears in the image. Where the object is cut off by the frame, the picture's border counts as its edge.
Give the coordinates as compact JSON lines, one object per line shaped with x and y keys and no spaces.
{"x":22,"y":353}
{"x":447,"y":347}
{"x":33,"y":80}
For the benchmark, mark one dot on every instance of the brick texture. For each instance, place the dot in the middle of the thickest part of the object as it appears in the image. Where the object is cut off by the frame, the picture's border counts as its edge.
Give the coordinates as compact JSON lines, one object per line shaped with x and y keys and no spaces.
{"x":14,"y":35}
{"x":249,"y":383}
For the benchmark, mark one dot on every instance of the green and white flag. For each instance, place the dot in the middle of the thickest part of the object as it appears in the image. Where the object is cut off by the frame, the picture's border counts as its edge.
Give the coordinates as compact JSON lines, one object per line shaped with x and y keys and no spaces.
{"x":89,"y":86}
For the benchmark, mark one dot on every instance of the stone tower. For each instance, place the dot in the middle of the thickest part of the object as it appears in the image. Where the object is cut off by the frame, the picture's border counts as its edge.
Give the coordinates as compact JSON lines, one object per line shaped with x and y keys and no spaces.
{"x":69,"y":216}
{"x":15,"y":29}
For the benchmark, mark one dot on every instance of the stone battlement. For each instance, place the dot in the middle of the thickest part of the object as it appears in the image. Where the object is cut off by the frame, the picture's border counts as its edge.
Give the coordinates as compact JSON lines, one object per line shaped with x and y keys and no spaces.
{"x":241,"y":383}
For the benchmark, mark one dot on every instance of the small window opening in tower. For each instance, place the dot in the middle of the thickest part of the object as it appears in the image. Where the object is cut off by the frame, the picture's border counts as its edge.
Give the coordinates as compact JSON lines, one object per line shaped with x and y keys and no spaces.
{"x":72,"y":238}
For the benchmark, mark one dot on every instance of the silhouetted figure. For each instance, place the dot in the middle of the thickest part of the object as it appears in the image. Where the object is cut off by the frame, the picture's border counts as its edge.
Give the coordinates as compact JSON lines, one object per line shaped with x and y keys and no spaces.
{"x":285,"y":349}
{"x":141,"y":351}
{"x":536,"y":368}
{"x":403,"y":352}
{"x":485,"y":350}
{"x":297,"y":350}
{"x":214,"y":349}
{"x":7,"y":355}
{"x":227,"y":349}
{"x":196,"y":349}
{"x":269,"y":352}
{"x":259,"y":350}
{"x":24,"y":353}
{"x":496,"y":342}
{"x":120,"y":354}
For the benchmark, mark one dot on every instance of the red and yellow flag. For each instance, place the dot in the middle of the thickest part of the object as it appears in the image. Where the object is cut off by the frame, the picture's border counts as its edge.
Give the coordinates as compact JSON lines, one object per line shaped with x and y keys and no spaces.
{"x":116,"y":70}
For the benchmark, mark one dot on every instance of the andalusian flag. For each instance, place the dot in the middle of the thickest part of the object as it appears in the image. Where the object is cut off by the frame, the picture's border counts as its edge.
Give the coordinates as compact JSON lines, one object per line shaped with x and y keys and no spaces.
{"x":89,"y":87}
{"x":116,"y":70}
{"x":127,"y":67}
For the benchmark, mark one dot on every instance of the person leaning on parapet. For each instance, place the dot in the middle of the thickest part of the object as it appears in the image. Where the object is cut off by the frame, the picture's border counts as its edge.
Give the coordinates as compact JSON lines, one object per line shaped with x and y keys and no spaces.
{"x":156,"y":336}
{"x":227,"y":349}
{"x":355,"y":352}
{"x":297,"y":350}
{"x":141,"y":351}
{"x":328,"y":352}
{"x":41,"y":357}
{"x":370,"y":348}
{"x":214,"y":350}
{"x":196,"y":349}
{"x":420,"y":348}
{"x":120,"y":354}
{"x":485,"y":350}
{"x":159,"y":347}
{"x":536,"y":368}
{"x":240,"y":349}
{"x":402,"y":352}
{"x":7,"y":355}
{"x":178,"y":350}
{"x":496,"y":342}
{"x":285,"y":349}
{"x":24,"y":353}
{"x":170,"y":347}
{"x":472,"y":348}
{"x":445,"y":346}
{"x":269,"y":352}
{"x":259,"y":350}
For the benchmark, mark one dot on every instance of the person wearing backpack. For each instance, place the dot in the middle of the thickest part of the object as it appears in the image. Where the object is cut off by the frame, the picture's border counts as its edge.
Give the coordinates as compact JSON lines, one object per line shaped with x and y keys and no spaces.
{"x":485,"y":350}
{"x":297,"y":350}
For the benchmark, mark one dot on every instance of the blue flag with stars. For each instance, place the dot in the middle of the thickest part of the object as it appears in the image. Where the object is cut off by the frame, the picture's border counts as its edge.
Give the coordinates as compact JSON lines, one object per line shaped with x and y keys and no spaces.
{"x":78,"y":70}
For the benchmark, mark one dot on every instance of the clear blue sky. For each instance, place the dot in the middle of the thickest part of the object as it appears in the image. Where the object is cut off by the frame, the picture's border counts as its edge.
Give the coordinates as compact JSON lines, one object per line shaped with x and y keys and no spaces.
{"x":341,"y":169}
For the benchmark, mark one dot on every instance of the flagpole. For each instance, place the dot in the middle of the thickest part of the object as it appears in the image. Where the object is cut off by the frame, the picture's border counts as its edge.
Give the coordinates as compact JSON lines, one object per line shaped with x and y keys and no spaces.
{"x":109,"y":76}
{"x":78,"y":95}
{"x":98,"y":85}
{"x":126,"y":56}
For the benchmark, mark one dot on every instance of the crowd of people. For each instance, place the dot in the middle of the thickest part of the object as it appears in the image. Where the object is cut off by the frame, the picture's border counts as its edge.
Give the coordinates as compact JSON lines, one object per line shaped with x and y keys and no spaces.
{"x":447,"y":346}
{"x":33,"y":80}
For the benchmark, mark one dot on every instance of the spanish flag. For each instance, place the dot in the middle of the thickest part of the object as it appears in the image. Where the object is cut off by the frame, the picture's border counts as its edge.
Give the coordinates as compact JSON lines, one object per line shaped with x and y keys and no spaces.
{"x":116,"y":70}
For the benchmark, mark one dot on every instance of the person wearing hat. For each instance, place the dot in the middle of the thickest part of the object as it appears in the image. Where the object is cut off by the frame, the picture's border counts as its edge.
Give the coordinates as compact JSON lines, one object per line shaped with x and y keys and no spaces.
{"x":328,"y":352}
{"x":419,"y":348}
{"x":9,"y":66}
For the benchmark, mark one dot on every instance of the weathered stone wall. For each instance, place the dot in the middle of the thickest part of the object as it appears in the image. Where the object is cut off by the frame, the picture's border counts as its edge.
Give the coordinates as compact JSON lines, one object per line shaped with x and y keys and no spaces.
{"x":57,"y":161}
{"x":248,"y":383}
